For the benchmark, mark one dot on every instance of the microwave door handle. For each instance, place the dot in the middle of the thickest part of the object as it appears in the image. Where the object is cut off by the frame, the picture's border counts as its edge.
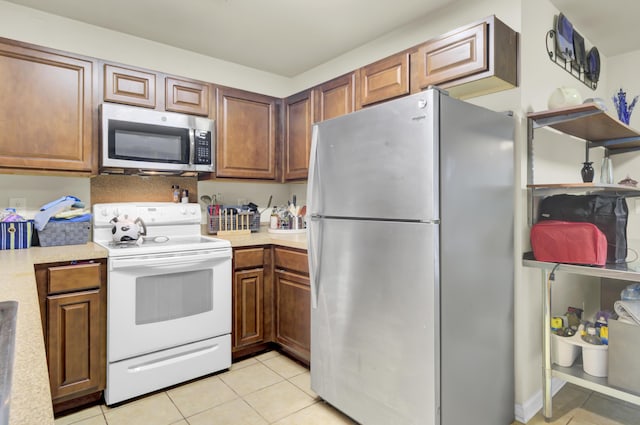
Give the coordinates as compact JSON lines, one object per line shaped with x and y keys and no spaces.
{"x":192,"y":146}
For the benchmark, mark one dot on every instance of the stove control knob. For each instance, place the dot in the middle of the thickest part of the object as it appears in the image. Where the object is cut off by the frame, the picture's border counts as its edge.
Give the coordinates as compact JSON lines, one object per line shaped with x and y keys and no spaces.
{"x":104,"y":212}
{"x":116,"y":212}
{"x":183,"y":211}
{"x":192,"y":211}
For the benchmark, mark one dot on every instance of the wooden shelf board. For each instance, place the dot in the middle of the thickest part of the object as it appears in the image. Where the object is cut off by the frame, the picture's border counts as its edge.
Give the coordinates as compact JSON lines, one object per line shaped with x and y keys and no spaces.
{"x":588,"y":122}
{"x":612,"y":187}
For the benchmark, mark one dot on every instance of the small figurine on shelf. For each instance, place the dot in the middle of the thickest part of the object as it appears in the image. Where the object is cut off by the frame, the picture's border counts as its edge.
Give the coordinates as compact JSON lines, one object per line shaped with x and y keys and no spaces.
{"x":624,"y":110}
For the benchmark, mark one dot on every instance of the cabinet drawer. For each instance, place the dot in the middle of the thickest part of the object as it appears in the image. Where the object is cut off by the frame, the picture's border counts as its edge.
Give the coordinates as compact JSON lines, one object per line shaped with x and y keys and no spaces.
{"x":292,"y":260}
{"x":252,"y":257}
{"x":74,"y":277}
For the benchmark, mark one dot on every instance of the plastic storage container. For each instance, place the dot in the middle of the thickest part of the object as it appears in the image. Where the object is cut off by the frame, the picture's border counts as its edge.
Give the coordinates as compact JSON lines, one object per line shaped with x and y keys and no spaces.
{"x":594,"y":356}
{"x":564,"y":351}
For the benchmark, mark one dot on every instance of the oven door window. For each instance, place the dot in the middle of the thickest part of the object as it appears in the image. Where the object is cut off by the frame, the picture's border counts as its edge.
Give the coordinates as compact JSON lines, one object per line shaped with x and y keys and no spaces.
{"x":173,"y":296}
{"x":148,"y":142}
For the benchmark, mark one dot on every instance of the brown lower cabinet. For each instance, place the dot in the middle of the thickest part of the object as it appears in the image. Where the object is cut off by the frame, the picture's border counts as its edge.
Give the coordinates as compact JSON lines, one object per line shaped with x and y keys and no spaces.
{"x":252,"y":300}
{"x":271,"y":305}
{"x":293,"y":304}
{"x":72,"y":298}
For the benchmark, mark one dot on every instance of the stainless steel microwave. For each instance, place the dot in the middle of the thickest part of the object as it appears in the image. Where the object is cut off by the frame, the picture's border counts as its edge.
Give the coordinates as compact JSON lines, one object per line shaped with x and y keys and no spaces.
{"x":144,"y":141}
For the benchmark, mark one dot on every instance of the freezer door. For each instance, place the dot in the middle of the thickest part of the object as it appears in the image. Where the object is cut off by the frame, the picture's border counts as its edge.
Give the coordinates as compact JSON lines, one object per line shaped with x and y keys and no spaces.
{"x":380,"y":162}
{"x":374,"y":319}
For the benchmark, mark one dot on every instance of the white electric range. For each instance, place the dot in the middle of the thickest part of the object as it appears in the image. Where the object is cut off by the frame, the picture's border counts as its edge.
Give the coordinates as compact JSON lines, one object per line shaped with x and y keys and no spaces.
{"x":168,"y":299}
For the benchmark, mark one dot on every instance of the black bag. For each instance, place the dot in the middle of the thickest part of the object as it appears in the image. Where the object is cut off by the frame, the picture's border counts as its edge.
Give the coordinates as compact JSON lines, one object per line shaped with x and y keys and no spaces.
{"x":608,"y":212}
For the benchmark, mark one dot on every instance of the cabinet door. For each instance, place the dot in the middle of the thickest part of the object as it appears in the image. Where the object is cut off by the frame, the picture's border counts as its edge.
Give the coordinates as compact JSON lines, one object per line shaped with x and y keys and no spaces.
{"x":188,"y":97}
{"x":293,"y":313}
{"x":297,"y":138}
{"x":129,"y":86}
{"x":385,"y":79}
{"x":74,"y":343}
{"x":452,"y":56}
{"x":248,"y":299}
{"x":335,"y":98}
{"x":477,"y":59}
{"x":246,"y":128}
{"x":46,"y":111}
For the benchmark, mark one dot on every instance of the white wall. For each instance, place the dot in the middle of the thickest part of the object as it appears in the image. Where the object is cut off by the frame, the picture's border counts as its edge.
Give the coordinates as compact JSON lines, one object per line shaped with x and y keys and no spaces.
{"x":623,"y":74}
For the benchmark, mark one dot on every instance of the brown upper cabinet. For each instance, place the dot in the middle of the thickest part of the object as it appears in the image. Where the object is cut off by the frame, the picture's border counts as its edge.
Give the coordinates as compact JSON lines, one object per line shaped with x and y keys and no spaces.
{"x":185,"y":96}
{"x":246,"y":135}
{"x":386,"y":79}
{"x":143,"y":88}
{"x":129,"y":86}
{"x":335,"y":97}
{"x":298,"y":113}
{"x":476,"y":59}
{"x":46,"y":111}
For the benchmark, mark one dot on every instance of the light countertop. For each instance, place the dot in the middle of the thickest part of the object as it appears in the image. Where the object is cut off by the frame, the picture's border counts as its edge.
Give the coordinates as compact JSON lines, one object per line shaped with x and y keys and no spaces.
{"x":263,"y":237}
{"x":31,"y":395}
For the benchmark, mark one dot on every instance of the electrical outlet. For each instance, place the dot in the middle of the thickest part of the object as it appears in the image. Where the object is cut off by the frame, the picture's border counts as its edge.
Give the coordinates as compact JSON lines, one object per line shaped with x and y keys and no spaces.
{"x":20,"y":204}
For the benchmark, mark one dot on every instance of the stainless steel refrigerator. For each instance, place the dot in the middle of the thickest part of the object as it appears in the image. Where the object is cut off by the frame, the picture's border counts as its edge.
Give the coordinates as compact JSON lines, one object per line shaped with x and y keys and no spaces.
{"x":411,"y":263}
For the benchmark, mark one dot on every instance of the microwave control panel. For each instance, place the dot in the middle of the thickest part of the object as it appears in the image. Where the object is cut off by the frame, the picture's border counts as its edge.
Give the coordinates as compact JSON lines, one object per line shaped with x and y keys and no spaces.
{"x":202,"y":140}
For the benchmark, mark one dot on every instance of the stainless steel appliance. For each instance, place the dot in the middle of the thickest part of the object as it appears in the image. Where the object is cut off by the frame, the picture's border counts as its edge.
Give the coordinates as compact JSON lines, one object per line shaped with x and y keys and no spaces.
{"x":144,"y":141}
{"x":411,"y":260}
{"x":168,"y":299}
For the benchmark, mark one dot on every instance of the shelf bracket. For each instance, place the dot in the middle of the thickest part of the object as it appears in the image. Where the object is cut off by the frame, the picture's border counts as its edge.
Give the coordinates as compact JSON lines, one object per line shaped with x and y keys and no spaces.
{"x":607,"y":143}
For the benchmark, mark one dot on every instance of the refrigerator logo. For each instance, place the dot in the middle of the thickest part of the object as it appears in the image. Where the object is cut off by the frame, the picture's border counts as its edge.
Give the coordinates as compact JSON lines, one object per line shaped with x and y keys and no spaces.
{"x":418,"y":118}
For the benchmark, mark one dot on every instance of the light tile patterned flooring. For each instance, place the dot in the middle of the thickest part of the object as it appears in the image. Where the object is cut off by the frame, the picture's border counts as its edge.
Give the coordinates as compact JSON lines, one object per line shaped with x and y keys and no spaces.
{"x":574,"y":405}
{"x":273,"y":389}
{"x":267,"y":389}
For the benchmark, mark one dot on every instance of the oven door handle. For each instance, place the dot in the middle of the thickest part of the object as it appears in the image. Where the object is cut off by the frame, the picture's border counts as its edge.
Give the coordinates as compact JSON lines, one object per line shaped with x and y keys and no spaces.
{"x":163,"y":261}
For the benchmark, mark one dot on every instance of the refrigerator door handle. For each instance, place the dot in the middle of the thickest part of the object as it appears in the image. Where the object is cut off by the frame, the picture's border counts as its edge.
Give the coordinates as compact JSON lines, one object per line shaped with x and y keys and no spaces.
{"x":315,"y":224}
{"x":314,"y":253}
{"x":313,"y":187}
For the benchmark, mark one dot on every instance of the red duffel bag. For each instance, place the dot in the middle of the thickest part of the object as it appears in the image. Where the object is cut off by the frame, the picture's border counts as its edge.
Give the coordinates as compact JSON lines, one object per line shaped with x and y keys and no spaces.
{"x":568,"y":242}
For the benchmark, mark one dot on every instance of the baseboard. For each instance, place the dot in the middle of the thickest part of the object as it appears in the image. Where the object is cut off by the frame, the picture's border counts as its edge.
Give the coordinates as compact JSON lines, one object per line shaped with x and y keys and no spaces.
{"x":524,"y":412}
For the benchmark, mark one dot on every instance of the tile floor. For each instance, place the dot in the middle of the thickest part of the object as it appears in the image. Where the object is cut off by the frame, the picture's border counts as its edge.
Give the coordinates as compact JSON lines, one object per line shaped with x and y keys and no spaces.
{"x":574,"y":405}
{"x":267,"y":389}
{"x":273,"y":389}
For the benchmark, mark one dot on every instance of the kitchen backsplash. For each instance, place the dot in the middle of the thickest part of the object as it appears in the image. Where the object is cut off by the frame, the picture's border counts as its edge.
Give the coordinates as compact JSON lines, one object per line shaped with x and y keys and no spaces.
{"x":39,"y":190}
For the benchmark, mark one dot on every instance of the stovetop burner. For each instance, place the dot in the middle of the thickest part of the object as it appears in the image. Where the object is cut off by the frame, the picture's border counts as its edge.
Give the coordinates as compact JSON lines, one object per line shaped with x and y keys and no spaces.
{"x":145,"y":240}
{"x":170,"y":228}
